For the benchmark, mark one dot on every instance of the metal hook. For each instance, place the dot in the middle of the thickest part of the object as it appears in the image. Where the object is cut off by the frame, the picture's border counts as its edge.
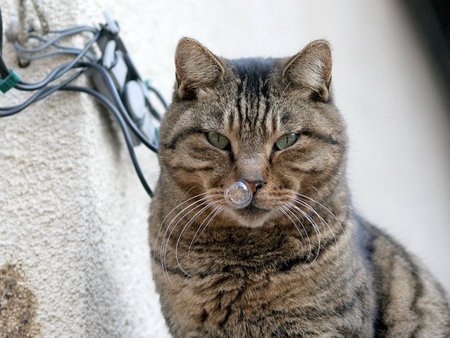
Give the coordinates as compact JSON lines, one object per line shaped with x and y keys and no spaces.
{"x":23,"y":18}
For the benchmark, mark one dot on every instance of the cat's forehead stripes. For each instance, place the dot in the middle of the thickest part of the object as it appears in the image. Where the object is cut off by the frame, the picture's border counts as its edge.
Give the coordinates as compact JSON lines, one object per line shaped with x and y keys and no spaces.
{"x":252,"y":105}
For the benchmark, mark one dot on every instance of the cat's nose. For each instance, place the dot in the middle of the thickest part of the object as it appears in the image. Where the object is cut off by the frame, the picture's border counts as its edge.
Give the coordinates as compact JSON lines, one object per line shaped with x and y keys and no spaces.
{"x":254,"y":185}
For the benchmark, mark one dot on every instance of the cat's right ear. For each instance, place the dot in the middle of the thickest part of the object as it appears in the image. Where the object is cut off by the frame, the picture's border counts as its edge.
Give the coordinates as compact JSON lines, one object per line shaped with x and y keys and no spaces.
{"x":311,"y":69}
{"x":196,"y":68}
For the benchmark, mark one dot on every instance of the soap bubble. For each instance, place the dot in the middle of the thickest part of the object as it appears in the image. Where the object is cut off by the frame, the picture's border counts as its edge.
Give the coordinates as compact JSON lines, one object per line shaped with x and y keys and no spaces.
{"x":238,"y":194}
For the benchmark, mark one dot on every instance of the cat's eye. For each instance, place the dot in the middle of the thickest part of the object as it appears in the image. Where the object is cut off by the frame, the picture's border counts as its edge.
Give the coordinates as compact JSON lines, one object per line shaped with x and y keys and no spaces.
{"x":218,"y":140}
{"x":286,"y":141}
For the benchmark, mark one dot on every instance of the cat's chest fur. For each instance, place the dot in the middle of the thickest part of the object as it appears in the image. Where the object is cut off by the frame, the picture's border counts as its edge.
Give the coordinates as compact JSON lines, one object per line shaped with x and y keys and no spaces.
{"x":279,"y":298}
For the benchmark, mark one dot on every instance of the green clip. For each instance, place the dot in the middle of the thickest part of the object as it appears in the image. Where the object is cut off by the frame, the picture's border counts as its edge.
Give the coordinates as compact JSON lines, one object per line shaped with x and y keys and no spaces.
{"x":148,"y":83}
{"x":9,"y":82}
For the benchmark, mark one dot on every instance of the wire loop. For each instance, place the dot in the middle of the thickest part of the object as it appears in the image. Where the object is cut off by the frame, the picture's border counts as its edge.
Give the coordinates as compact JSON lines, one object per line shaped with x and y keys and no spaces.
{"x":84,"y":61}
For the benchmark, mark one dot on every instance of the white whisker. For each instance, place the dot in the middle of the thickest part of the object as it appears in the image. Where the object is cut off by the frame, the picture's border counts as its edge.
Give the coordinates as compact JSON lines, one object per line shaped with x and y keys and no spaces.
{"x":173,"y":209}
{"x":211,"y":214}
{"x":185,"y":227}
{"x":324,"y":207}
{"x":316,"y":230}
{"x":165,"y":240}
{"x":315,"y":227}
{"x":215,"y":213}
{"x":283,"y":209}
{"x":322,"y":220}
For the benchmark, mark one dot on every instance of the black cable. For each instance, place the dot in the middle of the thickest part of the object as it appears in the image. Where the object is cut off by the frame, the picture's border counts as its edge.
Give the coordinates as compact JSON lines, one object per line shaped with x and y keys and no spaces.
{"x":61,"y":51}
{"x":44,"y":92}
{"x":39,"y":95}
{"x":118,"y":101}
{"x":119,"y":118}
{"x":1,"y":32}
{"x":111,"y":87}
{"x":4,"y":72}
{"x":159,"y":96}
{"x":47,"y":43}
{"x":83,"y":28}
{"x":21,"y":50}
{"x":61,"y":70}
{"x":43,"y":89}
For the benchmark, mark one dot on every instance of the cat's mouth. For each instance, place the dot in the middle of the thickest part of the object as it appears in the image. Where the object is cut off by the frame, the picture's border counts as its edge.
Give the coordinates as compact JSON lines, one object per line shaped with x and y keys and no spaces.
{"x":252,"y":216}
{"x":251,"y":210}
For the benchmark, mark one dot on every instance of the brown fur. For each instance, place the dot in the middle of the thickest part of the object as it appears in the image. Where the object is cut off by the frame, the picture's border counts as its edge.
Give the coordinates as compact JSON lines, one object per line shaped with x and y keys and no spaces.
{"x":298,"y":262}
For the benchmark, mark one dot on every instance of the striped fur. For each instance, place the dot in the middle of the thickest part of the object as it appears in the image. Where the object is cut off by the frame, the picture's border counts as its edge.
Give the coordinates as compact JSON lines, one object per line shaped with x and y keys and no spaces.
{"x":298,"y":262}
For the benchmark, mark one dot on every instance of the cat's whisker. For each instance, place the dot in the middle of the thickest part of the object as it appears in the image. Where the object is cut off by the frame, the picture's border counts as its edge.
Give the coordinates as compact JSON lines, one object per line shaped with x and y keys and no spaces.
{"x":180,"y":216}
{"x":185,"y":227}
{"x":302,"y":197}
{"x":165,"y":243}
{"x":211,"y":219}
{"x":186,"y":209}
{"x":282,"y":208}
{"x":322,"y":220}
{"x":322,"y":206}
{"x":315,"y":227}
{"x":173,"y":209}
{"x":215,"y":213}
{"x":304,"y":269}
{"x":211,"y":214}
{"x":287,"y":209}
{"x":338,"y":254}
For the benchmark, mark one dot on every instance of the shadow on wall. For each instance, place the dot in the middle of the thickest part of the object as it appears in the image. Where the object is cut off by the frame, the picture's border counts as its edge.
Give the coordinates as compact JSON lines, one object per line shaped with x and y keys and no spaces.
{"x":431,"y":21}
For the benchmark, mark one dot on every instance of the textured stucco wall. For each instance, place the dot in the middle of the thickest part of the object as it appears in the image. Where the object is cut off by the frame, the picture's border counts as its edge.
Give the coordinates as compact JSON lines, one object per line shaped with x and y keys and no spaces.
{"x":72,"y":212}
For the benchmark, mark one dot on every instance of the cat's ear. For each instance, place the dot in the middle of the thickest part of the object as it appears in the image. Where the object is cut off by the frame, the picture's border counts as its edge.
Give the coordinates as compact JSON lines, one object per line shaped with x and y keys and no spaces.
{"x":311,"y":68}
{"x":196,"y":68}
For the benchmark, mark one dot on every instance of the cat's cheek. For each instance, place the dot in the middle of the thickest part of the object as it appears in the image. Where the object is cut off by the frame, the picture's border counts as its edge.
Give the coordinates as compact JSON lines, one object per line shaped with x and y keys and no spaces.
{"x":282,"y":179}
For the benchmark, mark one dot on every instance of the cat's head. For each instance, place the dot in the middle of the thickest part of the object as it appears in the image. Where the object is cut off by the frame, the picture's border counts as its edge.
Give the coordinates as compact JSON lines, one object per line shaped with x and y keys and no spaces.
{"x":269,"y":122}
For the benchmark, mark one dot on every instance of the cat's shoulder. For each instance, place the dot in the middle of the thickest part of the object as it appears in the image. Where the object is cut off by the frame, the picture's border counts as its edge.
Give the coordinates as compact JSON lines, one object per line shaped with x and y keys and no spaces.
{"x":405,"y":288}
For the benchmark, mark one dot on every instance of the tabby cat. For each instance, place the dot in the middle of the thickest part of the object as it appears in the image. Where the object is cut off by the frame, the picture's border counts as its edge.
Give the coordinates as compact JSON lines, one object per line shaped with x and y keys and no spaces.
{"x":298,"y":261}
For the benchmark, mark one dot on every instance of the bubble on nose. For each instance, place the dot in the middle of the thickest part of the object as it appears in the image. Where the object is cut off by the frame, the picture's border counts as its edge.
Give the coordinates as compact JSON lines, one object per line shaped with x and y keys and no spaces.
{"x":238,"y":194}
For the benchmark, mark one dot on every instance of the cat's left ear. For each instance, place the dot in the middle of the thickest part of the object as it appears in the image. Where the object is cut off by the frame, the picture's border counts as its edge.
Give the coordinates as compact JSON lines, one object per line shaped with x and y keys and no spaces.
{"x":311,"y":68}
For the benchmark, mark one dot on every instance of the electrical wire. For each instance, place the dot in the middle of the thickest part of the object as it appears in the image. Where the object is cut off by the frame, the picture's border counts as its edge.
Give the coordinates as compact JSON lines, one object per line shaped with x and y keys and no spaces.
{"x":83,"y":28}
{"x":118,"y":102}
{"x":85,"y":60}
{"x":159,"y":96}
{"x":8,"y":111}
{"x":39,"y":95}
{"x":73,"y":31}
{"x":65,"y":51}
{"x":28,"y":54}
{"x":57,"y":72}
{"x":119,"y":118}
{"x":4,"y":72}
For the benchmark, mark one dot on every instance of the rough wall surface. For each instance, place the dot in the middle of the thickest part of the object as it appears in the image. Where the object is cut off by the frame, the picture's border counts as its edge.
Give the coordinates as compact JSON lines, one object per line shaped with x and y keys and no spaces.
{"x":72,"y":212}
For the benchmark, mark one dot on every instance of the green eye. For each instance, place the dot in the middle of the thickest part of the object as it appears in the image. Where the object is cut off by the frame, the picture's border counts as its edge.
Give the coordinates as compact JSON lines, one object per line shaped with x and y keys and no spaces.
{"x":286,"y":141}
{"x":217,"y":140}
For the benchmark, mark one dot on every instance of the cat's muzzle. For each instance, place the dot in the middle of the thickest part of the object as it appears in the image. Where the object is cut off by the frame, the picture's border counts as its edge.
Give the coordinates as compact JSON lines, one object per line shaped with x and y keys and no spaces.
{"x":238,"y":195}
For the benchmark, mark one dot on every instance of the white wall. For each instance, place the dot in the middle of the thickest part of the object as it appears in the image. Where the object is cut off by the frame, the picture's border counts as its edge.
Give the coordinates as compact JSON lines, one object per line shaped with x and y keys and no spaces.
{"x":73,"y":215}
